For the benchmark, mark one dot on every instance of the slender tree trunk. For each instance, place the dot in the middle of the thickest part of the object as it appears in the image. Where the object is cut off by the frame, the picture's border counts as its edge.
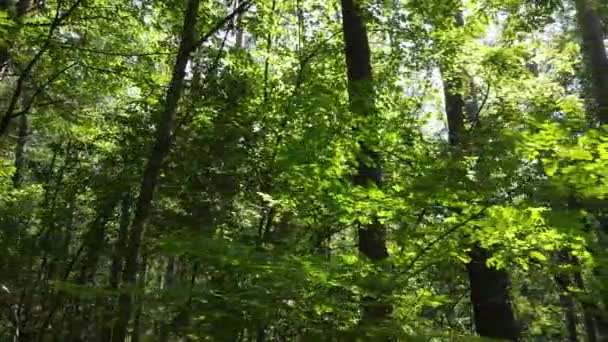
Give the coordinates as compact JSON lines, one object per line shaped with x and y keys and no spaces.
{"x":587,"y":308}
{"x":569,"y":310}
{"x":95,"y":240}
{"x":168,"y":284}
{"x":563,"y":281}
{"x":117,"y":263}
{"x":261,"y":334}
{"x":137,"y":322}
{"x":372,"y":237}
{"x":152,"y":170}
{"x":493,"y":314}
{"x":83,"y":312}
{"x":238,"y":25}
{"x":594,"y":50}
{"x":20,"y":151}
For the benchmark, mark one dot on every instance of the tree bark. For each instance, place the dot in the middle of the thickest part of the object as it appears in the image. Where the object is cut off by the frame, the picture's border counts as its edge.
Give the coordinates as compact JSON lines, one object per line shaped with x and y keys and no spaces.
{"x":152,"y":170}
{"x":371,"y":237}
{"x":590,"y":27}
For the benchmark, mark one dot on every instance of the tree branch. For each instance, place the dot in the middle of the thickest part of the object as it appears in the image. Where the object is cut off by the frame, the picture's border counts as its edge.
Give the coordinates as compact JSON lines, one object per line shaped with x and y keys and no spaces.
{"x":59,"y":18}
{"x":113,"y":53}
{"x":244,"y":6}
{"x":40,"y":90}
{"x":443,"y":236}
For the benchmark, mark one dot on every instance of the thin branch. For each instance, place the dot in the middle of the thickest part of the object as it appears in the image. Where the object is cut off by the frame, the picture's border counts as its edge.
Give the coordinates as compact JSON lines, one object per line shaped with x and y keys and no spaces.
{"x":244,"y":6}
{"x":483,"y":103}
{"x":406,"y":161}
{"x":59,"y":18}
{"x":119,"y":73}
{"x":441,"y":237}
{"x":300,"y":78}
{"x":41,"y":89}
{"x":114,"y":53}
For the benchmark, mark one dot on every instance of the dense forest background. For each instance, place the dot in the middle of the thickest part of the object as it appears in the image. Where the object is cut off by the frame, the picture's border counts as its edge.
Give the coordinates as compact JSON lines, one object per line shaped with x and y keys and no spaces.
{"x":301,"y":170}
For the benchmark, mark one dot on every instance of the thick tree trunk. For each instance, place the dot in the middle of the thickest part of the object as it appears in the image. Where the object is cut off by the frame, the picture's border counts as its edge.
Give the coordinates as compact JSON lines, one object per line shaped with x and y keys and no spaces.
{"x":494,"y":317}
{"x":454,"y":107}
{"x":372,"y":237}
{"x":594,"y":50}
{"x":493,"y":314}
{"x":152,"y":170}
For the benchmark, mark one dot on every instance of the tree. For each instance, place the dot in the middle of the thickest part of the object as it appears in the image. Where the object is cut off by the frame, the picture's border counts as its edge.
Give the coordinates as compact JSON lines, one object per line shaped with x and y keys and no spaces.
{"x":372,"y":236}
{"x":160,"y":150}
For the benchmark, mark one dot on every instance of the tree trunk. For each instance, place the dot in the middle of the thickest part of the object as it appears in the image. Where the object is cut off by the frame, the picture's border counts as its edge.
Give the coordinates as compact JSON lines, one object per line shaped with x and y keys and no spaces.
{"x":493,"y":315}
{"x":587,"y":308}
{"x":569,"y":309}
{"x":372,"y":237}
{"x":168,"y":284}
{"x":454,"y":106}
{"x":594,"y":50}
{"x":152,"y":170}
{"x":20,"y":151}
{"x":565,"y":297}
{"x":137,"y":321}
{"x":22,"y":7}
{"x":238,"y":26}
{"x":95,"y":240}
{"x":117,"y":263}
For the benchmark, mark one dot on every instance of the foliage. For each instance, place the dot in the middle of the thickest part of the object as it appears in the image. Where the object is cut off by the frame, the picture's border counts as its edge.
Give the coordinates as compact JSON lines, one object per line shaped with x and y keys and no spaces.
{"x":252,"y":233}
